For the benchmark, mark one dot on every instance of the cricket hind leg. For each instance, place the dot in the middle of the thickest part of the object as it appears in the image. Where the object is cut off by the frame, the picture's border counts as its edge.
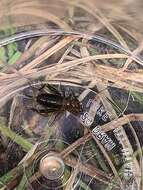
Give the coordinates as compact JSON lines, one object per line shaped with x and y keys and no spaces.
{"x":62,"y":90}
{"x":54,"y":90}
{"x":51,"y":88}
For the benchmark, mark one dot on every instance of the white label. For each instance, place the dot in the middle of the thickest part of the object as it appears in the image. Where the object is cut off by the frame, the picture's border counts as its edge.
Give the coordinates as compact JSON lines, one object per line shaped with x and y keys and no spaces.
{"x":103,"y":138}
{"x":86,"y":119}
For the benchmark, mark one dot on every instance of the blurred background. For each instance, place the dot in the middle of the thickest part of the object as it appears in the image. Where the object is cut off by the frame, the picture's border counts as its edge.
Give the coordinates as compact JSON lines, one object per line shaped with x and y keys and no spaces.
{"x":91,"y":16}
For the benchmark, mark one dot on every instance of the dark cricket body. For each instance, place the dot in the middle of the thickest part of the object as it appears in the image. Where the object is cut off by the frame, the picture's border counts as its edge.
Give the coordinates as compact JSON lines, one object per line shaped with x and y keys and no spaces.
{"x":53,"y":103}
{"x":56,"y":102}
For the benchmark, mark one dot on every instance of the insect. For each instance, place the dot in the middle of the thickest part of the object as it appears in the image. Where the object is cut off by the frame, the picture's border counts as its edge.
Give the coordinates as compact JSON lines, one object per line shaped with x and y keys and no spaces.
{"x":56,"y":102}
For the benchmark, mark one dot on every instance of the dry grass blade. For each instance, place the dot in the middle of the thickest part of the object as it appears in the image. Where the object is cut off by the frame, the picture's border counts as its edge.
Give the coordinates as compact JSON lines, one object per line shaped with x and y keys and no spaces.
{"x":89,"y":170}
{"x":65,"y":54}
{"x":75,"y":145}
{"x":71,"y":182}
{"x":69,"y":64}
{"x":49,"y":52}
{"x":27,"y":54}
{"x":115,"y":172}
{"x":135,"y":52}
{"x":91,"y":9}
{"x":122,"y":121}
